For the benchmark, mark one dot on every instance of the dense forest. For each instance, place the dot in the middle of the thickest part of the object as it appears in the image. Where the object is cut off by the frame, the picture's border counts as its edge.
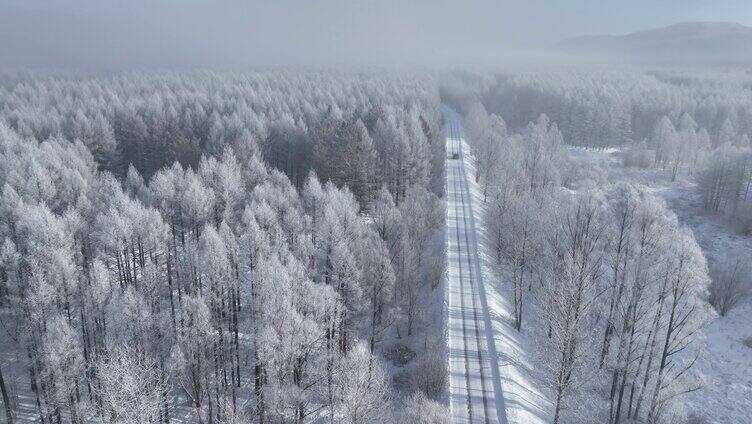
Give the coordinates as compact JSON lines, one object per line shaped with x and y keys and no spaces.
{"x":235,"y":247}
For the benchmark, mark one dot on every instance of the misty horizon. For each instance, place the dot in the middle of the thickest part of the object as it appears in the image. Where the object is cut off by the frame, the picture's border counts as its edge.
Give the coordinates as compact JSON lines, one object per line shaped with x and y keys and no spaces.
{"x":331,"y":33}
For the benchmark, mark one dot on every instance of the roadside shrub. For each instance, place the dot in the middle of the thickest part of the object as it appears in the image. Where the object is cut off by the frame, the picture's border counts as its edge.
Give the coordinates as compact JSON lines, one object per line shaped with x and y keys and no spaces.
{"x":731,"y":282}
{"x":431,"y":374}
{"x":638,"y":156}
{"x":421,"y":410}
{"x":697,"y":419}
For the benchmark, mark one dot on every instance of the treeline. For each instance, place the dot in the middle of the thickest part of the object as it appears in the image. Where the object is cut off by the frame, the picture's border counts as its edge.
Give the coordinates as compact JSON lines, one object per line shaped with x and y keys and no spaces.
{"x":250,"y":246}
{"x":726,"y":184}
{"x":387,"y":124}
{"x":604,"y":278}
{"x":605,"y":107}
{"x":723,"y":173}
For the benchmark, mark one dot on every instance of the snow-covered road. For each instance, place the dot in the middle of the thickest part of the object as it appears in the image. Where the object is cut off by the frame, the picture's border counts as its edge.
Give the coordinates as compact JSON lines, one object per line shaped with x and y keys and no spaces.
{"x":474,"y":383}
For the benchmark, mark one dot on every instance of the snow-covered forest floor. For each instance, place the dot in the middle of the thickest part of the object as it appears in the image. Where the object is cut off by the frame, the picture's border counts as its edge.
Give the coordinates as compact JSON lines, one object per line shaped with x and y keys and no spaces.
{"x":725,"y":365}
{"x":14,"y":363}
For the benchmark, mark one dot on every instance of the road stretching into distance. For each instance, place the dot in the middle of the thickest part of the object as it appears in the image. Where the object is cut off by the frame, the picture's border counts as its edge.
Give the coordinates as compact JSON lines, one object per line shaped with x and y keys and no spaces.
{"x":474,"y":384}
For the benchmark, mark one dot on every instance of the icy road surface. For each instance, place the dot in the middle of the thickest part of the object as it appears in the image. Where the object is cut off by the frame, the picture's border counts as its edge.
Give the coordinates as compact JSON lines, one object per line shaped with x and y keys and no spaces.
{"x":474,"y":383}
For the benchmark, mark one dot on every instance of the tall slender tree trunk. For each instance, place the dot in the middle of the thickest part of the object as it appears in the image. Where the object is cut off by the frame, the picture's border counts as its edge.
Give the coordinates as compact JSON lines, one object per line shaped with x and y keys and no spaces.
{"x":6,"y":399}
{"x":235,"y":311}
{"x":646,"y":378}
{"x":615,"y":299}
{"x":169,"y":287}
{"x":625,"y":369}
{"x":165,"y":393}
{"x":557,"y":410}
{"x":664,"y":358}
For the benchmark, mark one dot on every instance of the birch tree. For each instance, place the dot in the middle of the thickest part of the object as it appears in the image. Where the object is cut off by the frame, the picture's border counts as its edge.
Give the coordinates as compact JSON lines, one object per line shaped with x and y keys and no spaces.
{"x":572,"y":292}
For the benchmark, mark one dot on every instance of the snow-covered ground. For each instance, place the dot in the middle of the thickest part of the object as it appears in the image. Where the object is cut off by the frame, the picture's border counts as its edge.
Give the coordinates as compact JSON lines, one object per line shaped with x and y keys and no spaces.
{"x":727,"y":362}
{"x":520,"y":393}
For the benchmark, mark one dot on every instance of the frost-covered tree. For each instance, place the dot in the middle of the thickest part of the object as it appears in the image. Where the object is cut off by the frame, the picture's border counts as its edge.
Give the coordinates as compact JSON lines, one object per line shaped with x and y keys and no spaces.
{"x":130,"y":387}
{"x":685,"y":315}
{"x":361,"y":389}
{"x":663,"y":140}
{"x":519,"y":248}
{"x":571,"y":293}
{"x":61,"y":365}
{"x":417,"y":261}
{"x":191,"y":355}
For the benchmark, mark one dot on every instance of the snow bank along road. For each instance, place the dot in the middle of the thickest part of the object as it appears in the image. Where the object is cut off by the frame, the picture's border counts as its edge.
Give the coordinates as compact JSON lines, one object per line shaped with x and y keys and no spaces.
{"x":474,"y":383}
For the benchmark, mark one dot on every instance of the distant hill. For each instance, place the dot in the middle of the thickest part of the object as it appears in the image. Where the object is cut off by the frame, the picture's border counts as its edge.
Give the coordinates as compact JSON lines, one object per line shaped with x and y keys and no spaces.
{"x":684,"y":43}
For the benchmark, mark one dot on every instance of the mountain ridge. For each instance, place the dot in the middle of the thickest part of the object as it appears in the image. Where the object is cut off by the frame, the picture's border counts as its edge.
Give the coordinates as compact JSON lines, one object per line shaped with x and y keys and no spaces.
{"x":686,"y":42}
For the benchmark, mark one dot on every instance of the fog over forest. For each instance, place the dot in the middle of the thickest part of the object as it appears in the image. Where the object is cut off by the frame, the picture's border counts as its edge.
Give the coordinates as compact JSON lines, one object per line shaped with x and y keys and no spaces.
{"x":367,"y":212}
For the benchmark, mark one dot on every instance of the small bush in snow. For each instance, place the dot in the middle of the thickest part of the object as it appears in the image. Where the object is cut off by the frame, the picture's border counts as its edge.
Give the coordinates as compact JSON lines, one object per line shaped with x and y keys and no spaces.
{"x":421,"y":410}
{"x":697,"y":419}
{"x":732,"y":279}
{"x":748,"y":342}
{"x":431,"y":374}
{"x":639,"y":156}
{"x":399,"y":354}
